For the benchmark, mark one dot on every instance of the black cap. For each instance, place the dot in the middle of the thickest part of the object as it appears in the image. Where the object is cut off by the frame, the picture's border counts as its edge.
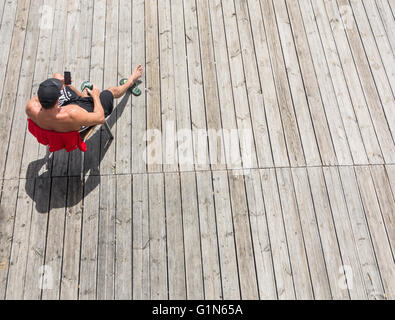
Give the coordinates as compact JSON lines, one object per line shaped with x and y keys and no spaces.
{"x":49,"y":92}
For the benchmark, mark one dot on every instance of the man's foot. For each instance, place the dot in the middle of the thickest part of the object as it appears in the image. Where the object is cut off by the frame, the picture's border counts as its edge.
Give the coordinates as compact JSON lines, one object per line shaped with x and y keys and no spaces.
{"x":133,"y":82}
{"x":136,"y":75}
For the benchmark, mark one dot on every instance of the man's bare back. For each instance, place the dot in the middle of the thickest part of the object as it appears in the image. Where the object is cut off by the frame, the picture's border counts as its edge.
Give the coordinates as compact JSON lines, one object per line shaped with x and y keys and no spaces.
{"x":72,"y":117}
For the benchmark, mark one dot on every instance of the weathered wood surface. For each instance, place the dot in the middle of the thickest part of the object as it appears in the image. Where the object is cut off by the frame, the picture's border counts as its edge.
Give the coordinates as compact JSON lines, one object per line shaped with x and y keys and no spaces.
{"x":268,"y":167}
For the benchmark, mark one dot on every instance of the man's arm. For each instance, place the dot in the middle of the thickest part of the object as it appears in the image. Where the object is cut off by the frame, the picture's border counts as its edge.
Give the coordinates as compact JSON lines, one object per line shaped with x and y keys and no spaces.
{"x":33,"y":107}
{"x":75,"y":90}
{"x":96,"y":117}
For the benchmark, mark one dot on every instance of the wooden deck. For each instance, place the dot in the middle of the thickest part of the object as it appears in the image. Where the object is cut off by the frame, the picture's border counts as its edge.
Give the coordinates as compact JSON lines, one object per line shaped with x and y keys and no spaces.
{"x":298,"y":204}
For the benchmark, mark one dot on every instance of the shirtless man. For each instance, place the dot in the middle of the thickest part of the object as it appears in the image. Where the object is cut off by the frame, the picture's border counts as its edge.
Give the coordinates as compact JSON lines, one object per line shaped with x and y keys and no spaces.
{"x":62,"y":108}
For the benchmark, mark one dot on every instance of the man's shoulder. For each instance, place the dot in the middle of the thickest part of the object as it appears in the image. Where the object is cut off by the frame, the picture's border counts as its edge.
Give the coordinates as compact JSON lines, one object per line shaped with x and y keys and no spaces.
{"x":33,"y":107}
{"x":33,"y":102}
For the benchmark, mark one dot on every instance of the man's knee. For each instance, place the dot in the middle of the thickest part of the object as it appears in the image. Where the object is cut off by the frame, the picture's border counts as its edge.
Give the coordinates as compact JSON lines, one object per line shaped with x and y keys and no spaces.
{"x":114,"y":91}
{"x":57,"y":76}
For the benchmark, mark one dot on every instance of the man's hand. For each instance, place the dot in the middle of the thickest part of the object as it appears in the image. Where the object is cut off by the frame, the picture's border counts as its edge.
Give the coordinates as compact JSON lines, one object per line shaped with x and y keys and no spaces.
{"x":95,"y":92}
{"x":138,"y":72}
{"x":88,"y":119}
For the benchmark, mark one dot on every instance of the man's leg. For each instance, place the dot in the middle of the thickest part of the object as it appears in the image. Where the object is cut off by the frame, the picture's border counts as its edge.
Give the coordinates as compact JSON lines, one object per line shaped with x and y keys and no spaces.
{"x":120,"y":91}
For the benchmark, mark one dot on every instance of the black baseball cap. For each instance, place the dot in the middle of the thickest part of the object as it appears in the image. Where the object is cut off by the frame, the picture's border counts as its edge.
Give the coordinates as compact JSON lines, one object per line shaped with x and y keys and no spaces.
{"x":49,"y":92}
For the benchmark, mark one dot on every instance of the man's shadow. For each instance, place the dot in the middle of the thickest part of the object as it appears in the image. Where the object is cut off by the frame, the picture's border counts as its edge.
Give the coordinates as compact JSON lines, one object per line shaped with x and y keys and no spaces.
{"x":69,"y":190}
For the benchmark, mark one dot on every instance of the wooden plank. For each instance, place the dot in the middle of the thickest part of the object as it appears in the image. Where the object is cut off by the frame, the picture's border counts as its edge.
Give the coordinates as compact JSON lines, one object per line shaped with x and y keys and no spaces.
{"x":344,"y":77}
{"x":295,"y":237}
{"x":347,"y":240}
{"x":238,"y":84}
{"x":377,"y":230}
{"x":392,"y":5}
{"x":381,"y":63}
{"x":6,"y":33}
{"x":278,"y":239}
{"x":36,"y":271}
{"x":55,"y":236}
{"x":123,"y":112}
{"x":379,"y":36}
{"x":226,"y":240}
{"x":276,"y":132}
{"x":7,"y":217}
{"x":244,"y":247}
{"x":295,"y":82}
{"x":167,"y":85}
{"x":58,"y":42}
{"x":15,"y":147}
{"x":175,"y":242}
{"x":377,"y":47}
{"x":106,"y":240}
{"x":295,"y":149}
{"x":82,"y":69}
{"x":348,"y":124}
{"x":386,"y":201}
{"x":260,"y":237}
{"x":10,"y":83}
{"x":20,"y":240}
{"x":317,"y":111}
{"x":2,"y":4}
{"x":329,"y":239}
{"x":362,"y":75}
{"x":253,"y":87}
{"x":195,"y":84}
{"x":108,"y":147}
{"x":154,"y":134}
{"x":360,"y":231}
{"x":124,"y":236}
{"x":208,"y":237}
{"x":93,"y":156}
{"x":210,"y":85}
{"x":328,"y":96}
{"x":72,"y":241}
{"x":141,"y":239}
{"x":388,"y":20}
{"x":391,"y":176}
{"x":225,"y":94}
{"x":89,"y":239}
{"x":158,"y":236}
{"x":139,"y":121}
{"x":183,"y":112}
{"x":192,"y":236}
{"x":311,"y":235}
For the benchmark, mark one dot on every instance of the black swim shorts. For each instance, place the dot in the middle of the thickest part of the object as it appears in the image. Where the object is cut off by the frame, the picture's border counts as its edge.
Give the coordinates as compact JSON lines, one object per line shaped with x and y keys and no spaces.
{"x":68,"y":96}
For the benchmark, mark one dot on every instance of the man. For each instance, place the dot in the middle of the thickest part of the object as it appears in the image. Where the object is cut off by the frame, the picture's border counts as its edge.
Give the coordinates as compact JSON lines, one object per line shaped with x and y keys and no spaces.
{"x":62,"y":108}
